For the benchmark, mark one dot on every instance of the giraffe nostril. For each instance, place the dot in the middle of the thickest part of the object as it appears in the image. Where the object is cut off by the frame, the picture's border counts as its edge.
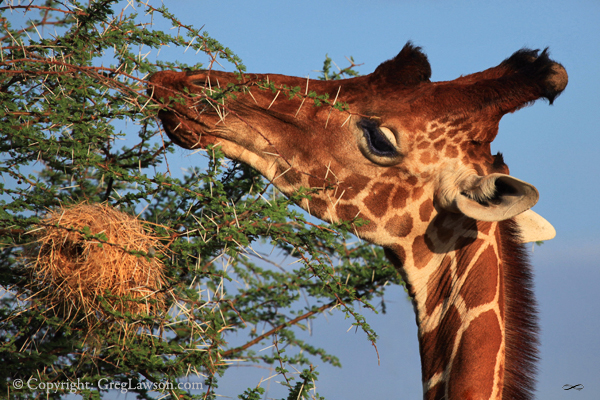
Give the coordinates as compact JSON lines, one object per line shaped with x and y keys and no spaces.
{"x":200,"y":82}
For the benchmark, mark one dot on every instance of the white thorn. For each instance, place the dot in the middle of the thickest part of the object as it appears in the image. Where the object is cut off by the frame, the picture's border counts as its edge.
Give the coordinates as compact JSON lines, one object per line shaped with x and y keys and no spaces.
{"x":251,"y":95}
{"x":346,"y":121}
{"x":281,"y":174}
{"x":279,"y":91}
{"x":339,"y":198}
{"x":333,"y":104}
{"x":272,"y":154}
{"x":307,"y":206}
{"x":336,"y":96}
{"x":332,"y":173}
{"x":307,"y":80}
{"x":303,"y":100}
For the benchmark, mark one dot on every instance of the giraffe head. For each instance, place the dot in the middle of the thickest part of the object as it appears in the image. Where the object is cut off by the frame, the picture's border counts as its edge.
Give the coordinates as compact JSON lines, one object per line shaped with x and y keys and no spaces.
{"x":392,"y":140}
{"x":411,"y":157}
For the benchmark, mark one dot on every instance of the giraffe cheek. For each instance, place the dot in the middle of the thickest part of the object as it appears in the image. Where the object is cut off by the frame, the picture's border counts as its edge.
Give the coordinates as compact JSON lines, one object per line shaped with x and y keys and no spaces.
{"x":399,"y":198}
{"x":425,"y":210}
{"x":400,"y":226}
{"x":318,"y":207}
{"x":347,"y":212}
{"x":451,"y":152}
{"x":318,"y":177}
{"x":377,"y":201}
{"x":421,"y":250}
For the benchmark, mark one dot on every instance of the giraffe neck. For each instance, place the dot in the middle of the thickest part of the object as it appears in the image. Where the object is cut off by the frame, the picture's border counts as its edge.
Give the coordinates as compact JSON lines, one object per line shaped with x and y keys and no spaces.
{"x":471,"y":289}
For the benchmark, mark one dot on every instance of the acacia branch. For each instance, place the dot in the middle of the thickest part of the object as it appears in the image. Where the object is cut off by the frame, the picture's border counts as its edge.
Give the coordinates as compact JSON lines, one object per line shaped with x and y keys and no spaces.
{"x":27,"y":8}
{"x":278,"y":328}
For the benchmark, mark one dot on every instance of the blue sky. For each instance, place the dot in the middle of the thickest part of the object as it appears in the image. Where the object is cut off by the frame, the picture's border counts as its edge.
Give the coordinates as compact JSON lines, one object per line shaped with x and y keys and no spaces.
{"x":553,"y":147}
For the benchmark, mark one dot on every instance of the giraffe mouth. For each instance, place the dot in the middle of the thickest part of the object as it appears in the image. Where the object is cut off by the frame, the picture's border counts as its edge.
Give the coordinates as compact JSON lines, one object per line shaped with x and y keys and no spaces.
{"x":181,"y":119}
{"x":181,"y":130}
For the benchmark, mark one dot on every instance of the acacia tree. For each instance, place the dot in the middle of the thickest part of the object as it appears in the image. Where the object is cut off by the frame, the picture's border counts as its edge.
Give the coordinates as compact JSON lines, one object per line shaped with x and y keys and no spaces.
{"x":72,"y":84}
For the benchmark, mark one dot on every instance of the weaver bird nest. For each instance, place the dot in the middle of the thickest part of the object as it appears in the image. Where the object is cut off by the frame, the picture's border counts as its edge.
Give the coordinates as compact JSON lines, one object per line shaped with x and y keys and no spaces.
{"x":98,"y":260}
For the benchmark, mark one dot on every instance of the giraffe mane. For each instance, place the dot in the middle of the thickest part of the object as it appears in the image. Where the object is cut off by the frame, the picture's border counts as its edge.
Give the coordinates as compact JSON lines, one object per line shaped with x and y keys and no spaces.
{"x":521,"y":316}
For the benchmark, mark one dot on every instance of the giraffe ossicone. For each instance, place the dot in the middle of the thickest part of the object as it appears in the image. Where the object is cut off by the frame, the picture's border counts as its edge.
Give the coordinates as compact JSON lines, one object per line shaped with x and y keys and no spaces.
{"x":412,"y":157}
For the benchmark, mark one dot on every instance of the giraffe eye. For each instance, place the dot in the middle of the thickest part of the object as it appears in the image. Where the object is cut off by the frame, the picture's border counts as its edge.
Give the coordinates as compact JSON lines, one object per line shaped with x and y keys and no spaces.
{"x":378,"y":144}
{"x":380,"y":141}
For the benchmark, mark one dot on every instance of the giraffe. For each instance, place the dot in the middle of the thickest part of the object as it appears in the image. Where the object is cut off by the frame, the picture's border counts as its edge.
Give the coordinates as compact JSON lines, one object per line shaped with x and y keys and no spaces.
{"x":412,"y":158}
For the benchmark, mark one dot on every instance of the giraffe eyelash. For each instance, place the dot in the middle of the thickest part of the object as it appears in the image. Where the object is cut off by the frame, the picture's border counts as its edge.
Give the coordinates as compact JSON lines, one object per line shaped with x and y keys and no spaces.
{"x":379,"y":143}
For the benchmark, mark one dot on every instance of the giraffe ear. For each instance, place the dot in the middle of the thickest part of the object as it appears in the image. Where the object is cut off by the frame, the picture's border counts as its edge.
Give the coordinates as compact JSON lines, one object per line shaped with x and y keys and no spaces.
{"x":534,"y":228}
{"x":410,"y":67}
{"x":495,"y":197}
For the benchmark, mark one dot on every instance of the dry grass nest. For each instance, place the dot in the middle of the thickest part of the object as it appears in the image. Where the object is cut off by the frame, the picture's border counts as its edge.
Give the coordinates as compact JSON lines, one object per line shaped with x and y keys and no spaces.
{"x":86,"y":251}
